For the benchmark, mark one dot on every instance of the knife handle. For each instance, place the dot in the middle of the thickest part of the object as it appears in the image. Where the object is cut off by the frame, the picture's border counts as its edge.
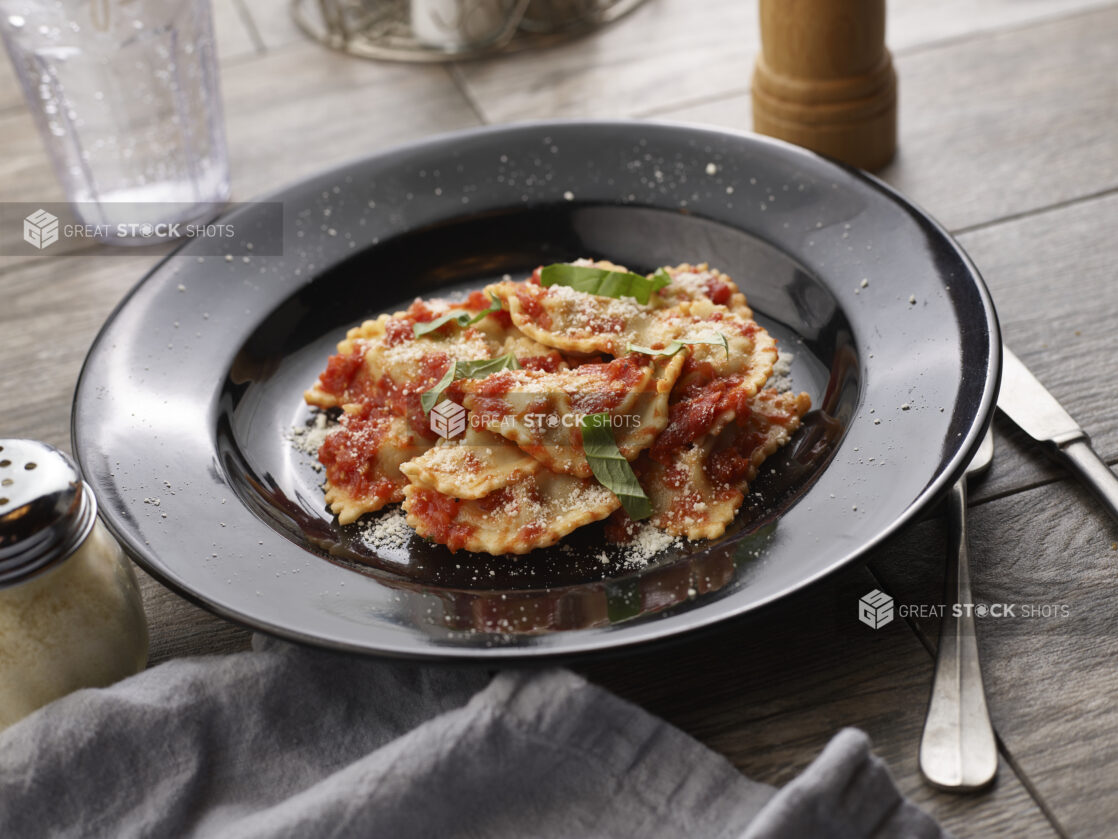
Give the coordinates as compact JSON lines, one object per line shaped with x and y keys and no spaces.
{"x":1091,"y":469}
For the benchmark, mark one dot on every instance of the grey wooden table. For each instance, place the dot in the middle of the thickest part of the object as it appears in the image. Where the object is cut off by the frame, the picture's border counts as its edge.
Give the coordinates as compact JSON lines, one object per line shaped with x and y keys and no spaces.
{"x":1008,"y":135}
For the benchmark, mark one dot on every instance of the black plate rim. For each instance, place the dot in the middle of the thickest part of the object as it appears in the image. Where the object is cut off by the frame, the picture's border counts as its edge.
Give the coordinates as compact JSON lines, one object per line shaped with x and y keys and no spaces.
{"x":648,"y":634}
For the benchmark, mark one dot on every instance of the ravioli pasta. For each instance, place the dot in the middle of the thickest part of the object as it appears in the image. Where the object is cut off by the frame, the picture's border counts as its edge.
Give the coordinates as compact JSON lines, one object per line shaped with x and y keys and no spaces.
{"x":533,"y":512}
{"x":528,"y":407}
{"x":698,"y":491}
{"x":492,"y":460}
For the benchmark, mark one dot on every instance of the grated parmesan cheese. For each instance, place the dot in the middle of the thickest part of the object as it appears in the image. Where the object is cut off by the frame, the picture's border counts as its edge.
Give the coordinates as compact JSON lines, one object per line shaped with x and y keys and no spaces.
{"x":694,"y":284}
{"x":588,"y":302}
{"x":647,"y":542}
{"x":781,"y":379}
{"x":387,"y":534}
{"x":309,"y":439}
{"x":463,"y":347}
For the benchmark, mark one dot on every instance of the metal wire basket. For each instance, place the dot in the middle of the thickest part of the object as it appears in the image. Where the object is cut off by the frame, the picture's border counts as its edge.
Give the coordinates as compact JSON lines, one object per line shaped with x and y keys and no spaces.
{"x":449,"y":30}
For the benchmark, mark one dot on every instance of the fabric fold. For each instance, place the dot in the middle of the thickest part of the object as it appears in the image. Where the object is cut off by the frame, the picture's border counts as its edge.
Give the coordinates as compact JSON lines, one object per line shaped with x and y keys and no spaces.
{"x":291,"y":742}
{"x":846,"y":792}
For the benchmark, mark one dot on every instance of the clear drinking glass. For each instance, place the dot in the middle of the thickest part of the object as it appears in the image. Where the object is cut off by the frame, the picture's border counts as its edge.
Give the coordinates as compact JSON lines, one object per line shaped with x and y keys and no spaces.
{"x":125,"y":94}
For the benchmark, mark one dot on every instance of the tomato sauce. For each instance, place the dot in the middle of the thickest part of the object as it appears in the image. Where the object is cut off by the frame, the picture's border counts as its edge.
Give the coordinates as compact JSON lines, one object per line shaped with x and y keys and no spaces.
{"x":340,"y":372}
{"x":438,"y":515}
{"x":696,"y":411}
{"x":608,"y":385}
{"x":619,"y":527}
{"x":718,"y":291}
{"x":495,"y":500}
{"x":349,"y":454}
{"x":530,"y":532}
{"x":489,"y":396}
{"x":530,"y":305}
{"x":551,"y":363}
{"x":730,"y":466}
{"x":733,"y":464}
{"x":398,"y":330}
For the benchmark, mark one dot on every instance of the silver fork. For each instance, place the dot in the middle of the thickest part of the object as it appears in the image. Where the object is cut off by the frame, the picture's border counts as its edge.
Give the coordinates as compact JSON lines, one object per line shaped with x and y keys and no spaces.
{"x":957,"y":751}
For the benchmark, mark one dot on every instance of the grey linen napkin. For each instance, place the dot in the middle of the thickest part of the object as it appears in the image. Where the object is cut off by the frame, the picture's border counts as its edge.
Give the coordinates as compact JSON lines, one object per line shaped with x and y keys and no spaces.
{"x":286,"y":741}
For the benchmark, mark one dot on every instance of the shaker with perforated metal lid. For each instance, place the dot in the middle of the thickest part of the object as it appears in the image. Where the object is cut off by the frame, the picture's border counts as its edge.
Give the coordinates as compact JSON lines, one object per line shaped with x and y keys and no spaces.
{"x":71,"y":615}
{"x":46,"y":509}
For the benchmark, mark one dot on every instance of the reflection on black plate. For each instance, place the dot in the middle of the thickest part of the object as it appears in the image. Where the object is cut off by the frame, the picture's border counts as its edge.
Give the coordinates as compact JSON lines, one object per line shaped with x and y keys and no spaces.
{"x":190,"y":393}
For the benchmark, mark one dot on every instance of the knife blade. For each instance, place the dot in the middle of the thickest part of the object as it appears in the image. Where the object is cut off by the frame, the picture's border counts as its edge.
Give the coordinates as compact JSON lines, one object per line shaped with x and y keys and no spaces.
{"x":1035,"y":411}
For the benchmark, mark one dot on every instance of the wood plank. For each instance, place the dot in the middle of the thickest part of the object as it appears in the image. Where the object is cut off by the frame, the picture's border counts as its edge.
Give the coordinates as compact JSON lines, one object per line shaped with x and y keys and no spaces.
{"x":304,"y":108}
{"x":980,"y":142}
{"x":1051,"y":681}
{"x":11,"y":95}
{"x":52,"y":310}
{"x":25,"y":170}
{"x":913,"y":24}
{"x":235,"y":40}
{"x":670,"y":52}
{"x":664,"y":52}
{"x":1007,"y":143}
{"x":1052,"y":279}
{"x":768,"y":693}
{"x":272,"y":20}
{"x":179,"y":628}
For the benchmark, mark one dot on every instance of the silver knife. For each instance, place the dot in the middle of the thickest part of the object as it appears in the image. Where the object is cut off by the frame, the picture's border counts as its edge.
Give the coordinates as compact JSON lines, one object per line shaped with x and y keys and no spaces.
{"x":1025,"y":401}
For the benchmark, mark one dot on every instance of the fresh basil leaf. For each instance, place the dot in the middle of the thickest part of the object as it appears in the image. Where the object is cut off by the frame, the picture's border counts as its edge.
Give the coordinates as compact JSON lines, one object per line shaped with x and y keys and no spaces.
{"x":604,"y":282}
{"x":461,"y":318}
{"x":610,"y":468}
{"x":478,"y":369}
{"x":718,"y":340}
{"x":430,"y":398}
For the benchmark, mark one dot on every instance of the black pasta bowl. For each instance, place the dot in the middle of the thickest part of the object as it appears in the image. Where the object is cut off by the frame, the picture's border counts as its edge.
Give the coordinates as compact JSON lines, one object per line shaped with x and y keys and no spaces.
{"x":893,"y":332}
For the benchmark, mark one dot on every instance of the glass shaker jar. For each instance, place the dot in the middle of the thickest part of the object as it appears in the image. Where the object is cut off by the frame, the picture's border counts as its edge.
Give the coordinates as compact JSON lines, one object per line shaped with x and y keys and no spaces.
{"x":70,"y":609}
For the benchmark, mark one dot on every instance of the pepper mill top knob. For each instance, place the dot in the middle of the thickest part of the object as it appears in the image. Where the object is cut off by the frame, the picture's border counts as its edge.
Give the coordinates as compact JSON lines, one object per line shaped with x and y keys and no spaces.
{"x":825,"y":80}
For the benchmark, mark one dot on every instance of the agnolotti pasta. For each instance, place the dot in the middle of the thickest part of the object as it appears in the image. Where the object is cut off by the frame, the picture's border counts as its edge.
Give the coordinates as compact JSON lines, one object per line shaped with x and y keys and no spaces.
{"x":505,"y":421}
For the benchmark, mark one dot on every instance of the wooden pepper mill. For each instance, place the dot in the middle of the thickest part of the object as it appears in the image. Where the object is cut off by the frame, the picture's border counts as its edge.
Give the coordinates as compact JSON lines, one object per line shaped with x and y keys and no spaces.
{"x":825,"y":80}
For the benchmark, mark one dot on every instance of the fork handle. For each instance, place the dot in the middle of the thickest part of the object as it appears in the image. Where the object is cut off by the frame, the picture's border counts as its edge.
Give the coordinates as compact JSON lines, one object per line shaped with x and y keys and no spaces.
{"x":958,"y":751}
{"x":1091,"y":470}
